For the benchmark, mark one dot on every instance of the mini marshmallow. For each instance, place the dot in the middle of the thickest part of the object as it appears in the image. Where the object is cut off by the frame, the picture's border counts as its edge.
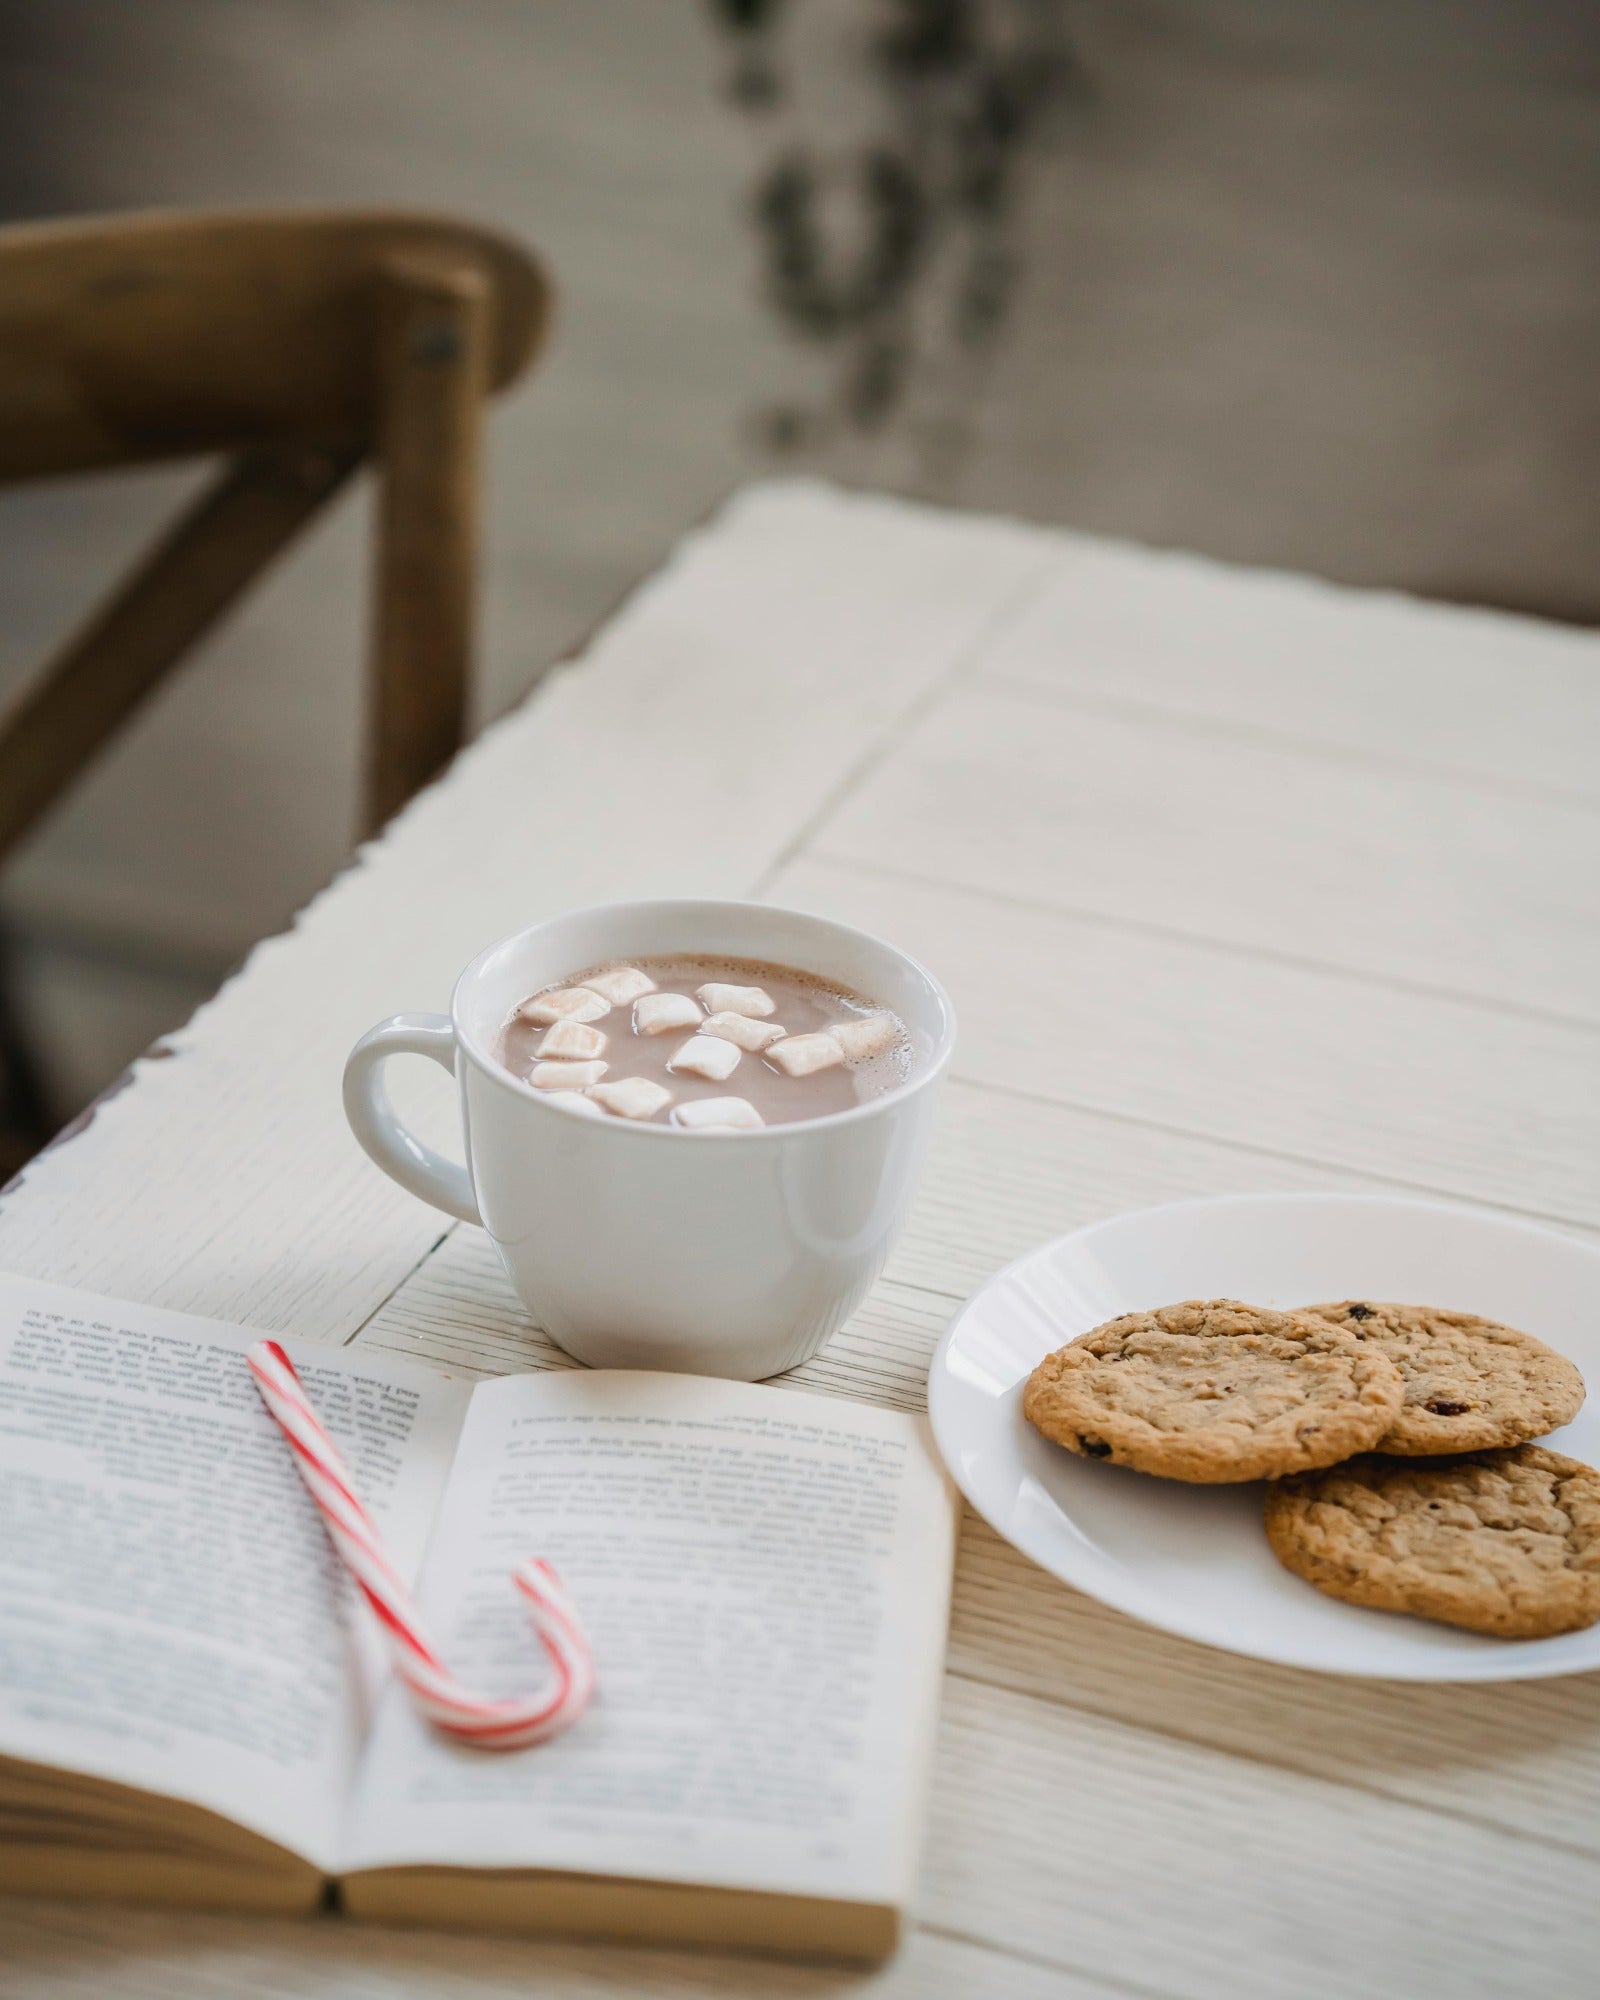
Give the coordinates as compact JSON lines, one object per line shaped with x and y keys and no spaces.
{"x":572,"y":1038}
{"x":566,"y":1075}
{"x":799,"y":1055}
{"x":630,"y":1097}
{"x":656,"y":1013}
{"x":718,"y":1114}
{"x":708,"y":1056}
{"x":573,"y":1100}
{"x":620,"y":984}
{"x":565,"y":1003}
{"x":735,"y":1000}
{"x":865,"y":1035}
{"x":751,"y":1036}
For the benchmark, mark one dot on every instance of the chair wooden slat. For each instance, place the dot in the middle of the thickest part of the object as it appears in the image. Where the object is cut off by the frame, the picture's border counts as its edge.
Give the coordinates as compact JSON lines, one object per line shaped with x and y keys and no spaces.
{"x":145,"y":337}
{"x":212,"y":553}
{"x":434,"y":359}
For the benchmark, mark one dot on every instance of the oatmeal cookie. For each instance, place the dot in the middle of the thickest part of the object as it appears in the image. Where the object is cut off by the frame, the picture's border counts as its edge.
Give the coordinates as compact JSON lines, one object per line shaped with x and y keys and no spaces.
{"x":1471,"y":1384}
{"x":1503,"y":1542}
{"x":1213,"y":1391}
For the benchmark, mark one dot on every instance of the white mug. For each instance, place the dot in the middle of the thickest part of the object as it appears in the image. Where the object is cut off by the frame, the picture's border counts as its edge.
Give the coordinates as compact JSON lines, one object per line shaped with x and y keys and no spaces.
{"x":638,"y":1245}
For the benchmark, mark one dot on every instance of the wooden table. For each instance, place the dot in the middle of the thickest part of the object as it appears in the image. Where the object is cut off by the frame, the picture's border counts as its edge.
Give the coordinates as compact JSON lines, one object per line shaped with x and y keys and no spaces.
{"x":1239,"y":881}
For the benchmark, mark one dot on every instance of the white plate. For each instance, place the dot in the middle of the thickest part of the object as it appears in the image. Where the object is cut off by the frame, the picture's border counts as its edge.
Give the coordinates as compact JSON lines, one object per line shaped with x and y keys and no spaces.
{"x":1193,"y":1559}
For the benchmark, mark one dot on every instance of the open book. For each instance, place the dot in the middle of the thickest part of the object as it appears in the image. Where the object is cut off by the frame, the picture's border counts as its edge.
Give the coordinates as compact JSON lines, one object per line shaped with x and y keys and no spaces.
{"x":194,"y":1708}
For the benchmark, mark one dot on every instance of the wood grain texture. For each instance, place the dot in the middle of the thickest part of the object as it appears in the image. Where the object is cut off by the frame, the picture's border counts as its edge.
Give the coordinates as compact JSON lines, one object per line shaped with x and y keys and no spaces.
{"x":1181,"y":1870}
{"x":1524,"y":1758}
{"x":1435,"y":881}
{"x":1114,"y":1811}
{"x":434,"y":356}
{"x":1007,"y":1172}
{"x":1444,"y":1094}
{"x":1385,"y":681}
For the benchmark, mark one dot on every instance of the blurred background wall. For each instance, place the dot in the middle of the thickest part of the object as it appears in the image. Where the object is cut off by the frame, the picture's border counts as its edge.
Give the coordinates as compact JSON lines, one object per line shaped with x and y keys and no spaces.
{"x":1297,"y":285}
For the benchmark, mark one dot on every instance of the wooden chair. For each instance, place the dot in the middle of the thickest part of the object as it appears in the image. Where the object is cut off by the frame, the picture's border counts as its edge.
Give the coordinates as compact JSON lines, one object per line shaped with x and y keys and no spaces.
{"x":294,"y":346}
{"x":297,"y":346}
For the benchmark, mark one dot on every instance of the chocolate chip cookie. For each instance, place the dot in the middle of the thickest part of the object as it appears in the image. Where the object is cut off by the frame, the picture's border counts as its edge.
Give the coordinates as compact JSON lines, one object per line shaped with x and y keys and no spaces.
{"x":1213,"y":1391}
{"x":1470,"y":1384}
{"x":1503,"y":1542}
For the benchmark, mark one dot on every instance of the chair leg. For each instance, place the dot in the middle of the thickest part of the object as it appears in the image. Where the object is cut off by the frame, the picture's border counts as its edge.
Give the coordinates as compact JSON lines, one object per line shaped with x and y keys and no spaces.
{"x":433,"y":378}
{"x":26,"y":1121}
{"x":180,"y":589}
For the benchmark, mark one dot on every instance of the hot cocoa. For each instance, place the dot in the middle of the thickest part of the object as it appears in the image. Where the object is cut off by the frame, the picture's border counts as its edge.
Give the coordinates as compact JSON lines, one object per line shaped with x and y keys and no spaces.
{"x":704,"y":1044}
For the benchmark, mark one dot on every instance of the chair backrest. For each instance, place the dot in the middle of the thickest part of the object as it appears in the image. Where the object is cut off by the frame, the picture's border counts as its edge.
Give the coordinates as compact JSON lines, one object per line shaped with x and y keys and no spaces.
{"x":297,"y":347}
{"x":141,"y":337}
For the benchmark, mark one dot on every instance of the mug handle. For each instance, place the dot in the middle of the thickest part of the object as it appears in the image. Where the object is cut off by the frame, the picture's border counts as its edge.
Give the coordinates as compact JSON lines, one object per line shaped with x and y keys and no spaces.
{"x":418,"y":1168}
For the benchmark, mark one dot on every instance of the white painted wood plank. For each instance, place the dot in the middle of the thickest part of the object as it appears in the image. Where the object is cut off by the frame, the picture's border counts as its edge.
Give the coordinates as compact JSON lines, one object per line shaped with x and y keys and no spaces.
{"x":1007,"y":1172}
{"x":1138,"y":1858}
{"x":1511,"y":700}
{"x":1448,"y":1095}
{"x":708,"y":722}
{"x":1269,"y":846}
{"x":62,"y":1951}
{"x":1524,"y":1757}
{"x":457,"y":1312}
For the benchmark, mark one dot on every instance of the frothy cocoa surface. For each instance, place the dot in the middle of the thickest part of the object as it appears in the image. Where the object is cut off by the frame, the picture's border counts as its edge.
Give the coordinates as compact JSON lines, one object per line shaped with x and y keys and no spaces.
{"x":803,"y":1005}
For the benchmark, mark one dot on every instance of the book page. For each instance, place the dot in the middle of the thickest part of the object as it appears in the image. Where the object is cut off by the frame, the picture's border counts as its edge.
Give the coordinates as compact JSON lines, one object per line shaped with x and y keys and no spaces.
{"x":172,"y":1614}
{"x":765,"y":1578}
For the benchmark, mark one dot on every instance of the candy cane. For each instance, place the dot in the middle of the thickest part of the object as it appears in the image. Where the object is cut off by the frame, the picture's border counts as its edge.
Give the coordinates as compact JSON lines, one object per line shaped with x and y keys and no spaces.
{"x":494,"y":1725}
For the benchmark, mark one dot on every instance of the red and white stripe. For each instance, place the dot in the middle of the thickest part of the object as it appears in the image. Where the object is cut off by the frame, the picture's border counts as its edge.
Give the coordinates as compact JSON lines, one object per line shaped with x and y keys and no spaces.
{"x":494,"y":1725}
